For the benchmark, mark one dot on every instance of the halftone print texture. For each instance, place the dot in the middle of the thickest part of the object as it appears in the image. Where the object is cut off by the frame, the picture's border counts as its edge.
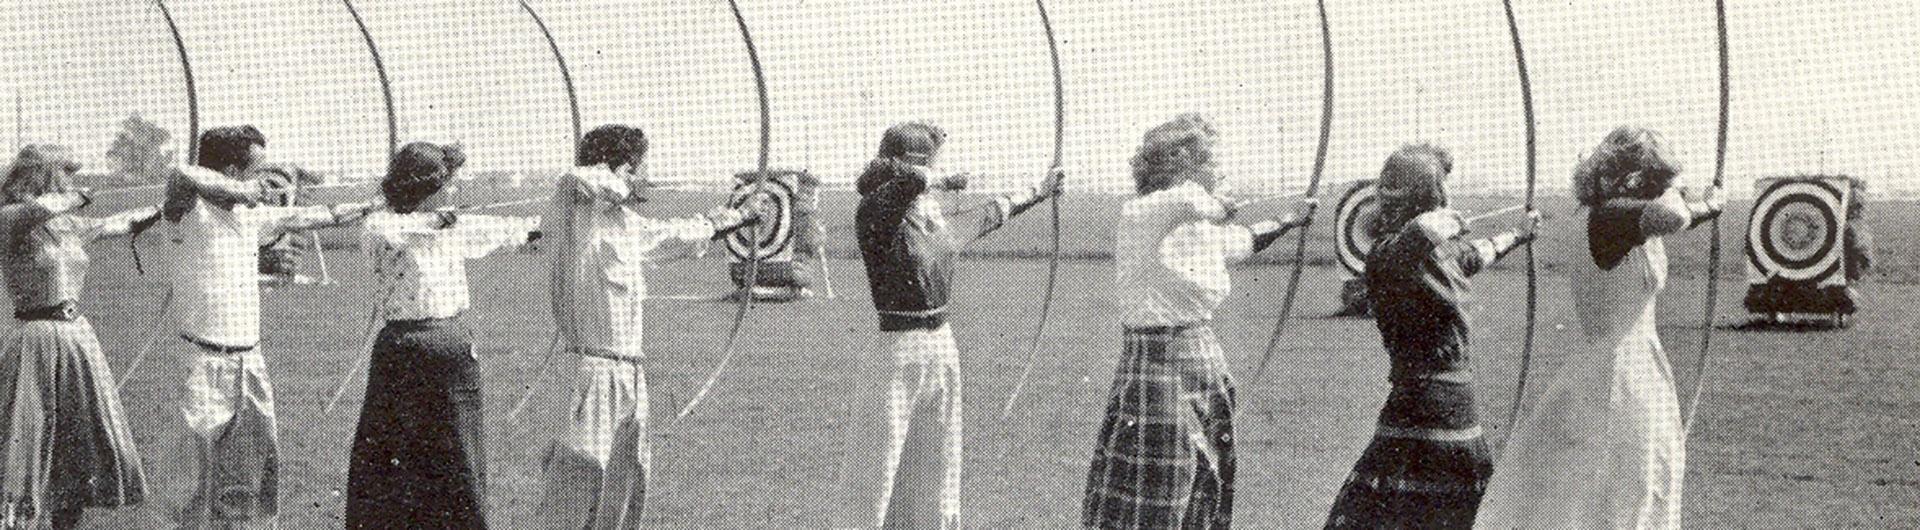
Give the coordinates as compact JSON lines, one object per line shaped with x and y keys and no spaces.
{"x":1800,"y":429}
{"x":840,"y":71}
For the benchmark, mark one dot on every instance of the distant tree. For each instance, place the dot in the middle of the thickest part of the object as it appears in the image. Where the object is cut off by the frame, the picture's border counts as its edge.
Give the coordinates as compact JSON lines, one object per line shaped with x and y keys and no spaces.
{"x":139,"y":150}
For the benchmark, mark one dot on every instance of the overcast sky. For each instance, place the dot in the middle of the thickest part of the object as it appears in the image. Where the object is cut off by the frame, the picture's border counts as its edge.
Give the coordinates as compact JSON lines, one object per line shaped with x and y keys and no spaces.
{"x":1828,"y":86}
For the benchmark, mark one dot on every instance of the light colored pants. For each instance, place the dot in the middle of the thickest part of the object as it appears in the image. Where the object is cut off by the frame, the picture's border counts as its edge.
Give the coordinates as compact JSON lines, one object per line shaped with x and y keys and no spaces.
{"x":221,"y":471}
{"x":595,"y":476}
{"x":903,"y":465}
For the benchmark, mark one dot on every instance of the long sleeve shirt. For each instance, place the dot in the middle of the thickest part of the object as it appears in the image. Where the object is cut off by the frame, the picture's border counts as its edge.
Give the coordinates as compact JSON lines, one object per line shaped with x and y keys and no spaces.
{"x":420,"y":268}
{"x":216,"y":289}
{"x":601,"y":249}
{"x":1172,"y":249}
{"x":1418,"y":283}
{"x":908,"y":246}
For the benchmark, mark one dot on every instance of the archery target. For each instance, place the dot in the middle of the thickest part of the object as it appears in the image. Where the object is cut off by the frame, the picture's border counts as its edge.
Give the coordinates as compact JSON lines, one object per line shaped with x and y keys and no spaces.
{"x":1357,"y":210}
{"x":775,"y":230}
{"x":1796,"y":231}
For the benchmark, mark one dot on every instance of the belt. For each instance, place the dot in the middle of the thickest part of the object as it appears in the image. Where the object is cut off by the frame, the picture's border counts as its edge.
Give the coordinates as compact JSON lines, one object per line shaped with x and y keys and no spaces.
{"x":604,"y":353}
{"x":1428,"y":433}
{"x":421,"y":321}
{"x":1460,"y":376}
{"x":66,"y":310}
{"x":916,"y":314}
{"x":1173,"y":329}
{"x":216,"y":348}
{"x":912,"y":320}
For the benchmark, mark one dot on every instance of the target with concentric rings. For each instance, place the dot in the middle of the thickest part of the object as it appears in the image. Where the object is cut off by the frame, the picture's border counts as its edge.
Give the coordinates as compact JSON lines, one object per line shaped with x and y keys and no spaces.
{"x":1796,"y":231}
{"x":1358,"y":207}
{"x":776,"y":225}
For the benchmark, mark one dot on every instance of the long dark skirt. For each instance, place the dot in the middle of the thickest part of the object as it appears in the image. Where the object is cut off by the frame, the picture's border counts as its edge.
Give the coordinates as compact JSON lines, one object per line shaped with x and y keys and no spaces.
{"x":419,"y":459}
{"x":1165,"y":455}
{"x":1427,"y":466}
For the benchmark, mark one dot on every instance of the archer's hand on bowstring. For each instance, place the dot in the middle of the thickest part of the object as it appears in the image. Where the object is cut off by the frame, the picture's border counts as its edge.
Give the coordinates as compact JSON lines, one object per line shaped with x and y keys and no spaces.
{"x":727,"y":219}
{"x":1494,"y":248}
{"x":1006,"y":207}
{"x":1713,"y":200}
{"x":1266,"y":232}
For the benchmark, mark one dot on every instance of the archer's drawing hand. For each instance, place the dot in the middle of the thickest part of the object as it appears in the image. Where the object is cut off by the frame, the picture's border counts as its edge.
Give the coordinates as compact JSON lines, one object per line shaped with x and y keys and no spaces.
{"x":1053,"y":184}
{"x":1303,"y":213}
{"x":1532,"y":229}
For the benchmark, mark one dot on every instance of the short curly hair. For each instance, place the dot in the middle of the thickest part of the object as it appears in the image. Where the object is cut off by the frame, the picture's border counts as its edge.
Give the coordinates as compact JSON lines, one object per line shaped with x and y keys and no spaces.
{"x":417,"y":172}
{"x":912,"y":138}
{"x":1171,"y":151}
{"x":1629,"y":162}
{"x":224,"y":148}
{"x":611,"y":145}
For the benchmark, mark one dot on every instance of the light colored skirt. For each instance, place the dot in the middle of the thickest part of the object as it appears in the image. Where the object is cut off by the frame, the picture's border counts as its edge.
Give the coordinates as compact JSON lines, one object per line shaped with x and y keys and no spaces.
{"x":1602,"y":448}
{"x":67,"y":441}
{"x":595,"y":475}
{"x":903,"y":464}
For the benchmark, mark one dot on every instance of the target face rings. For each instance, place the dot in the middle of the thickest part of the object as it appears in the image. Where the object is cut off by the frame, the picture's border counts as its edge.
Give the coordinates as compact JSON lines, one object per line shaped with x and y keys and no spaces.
{"x":775,"y":230}
{"x":1796,"y":230}
{"x":1358,"y":207}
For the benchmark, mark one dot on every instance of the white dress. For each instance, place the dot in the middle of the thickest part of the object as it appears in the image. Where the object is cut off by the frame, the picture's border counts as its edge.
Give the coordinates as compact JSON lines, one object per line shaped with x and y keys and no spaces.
{"x":1602,"y":447}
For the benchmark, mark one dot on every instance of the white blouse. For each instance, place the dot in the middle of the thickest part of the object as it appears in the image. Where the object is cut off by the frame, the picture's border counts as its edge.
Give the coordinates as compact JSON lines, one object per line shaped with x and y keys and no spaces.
{"x":1172,"y":249}
{"x":601,"y":250}
{"x":420,"y":269}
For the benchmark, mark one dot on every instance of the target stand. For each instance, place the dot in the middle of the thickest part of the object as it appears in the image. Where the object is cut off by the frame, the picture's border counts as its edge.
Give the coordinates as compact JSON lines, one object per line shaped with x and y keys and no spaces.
{"x":1352,"y":224}
{"x":787,"y":235}
{"x":1796,"y":251}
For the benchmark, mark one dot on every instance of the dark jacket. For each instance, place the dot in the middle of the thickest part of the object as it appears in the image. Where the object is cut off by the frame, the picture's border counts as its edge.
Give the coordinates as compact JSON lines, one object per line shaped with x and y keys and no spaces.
{"x":908,"y":250}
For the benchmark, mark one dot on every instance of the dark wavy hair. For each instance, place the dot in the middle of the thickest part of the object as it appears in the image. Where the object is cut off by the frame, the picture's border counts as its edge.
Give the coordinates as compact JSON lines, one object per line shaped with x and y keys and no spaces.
{"x":1629,"y":162}
{"x":912,"y":138}
{"x":1412,"y":182}
{"x":611,"y":145}
{"x":1173,"y":151}
{"x":223,"y":148}
{"x":417,"y":172}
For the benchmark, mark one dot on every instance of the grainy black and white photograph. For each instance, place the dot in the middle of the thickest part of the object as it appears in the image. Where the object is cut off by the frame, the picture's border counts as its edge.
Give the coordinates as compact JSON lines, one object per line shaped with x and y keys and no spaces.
{"x":993,"y":264}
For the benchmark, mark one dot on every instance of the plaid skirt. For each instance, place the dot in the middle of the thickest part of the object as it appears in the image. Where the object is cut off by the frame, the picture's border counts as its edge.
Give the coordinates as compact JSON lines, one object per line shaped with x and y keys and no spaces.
{"x":419,"y":454}
{"x":66,"y":438}
{"x":1165,"y":454}
{"x":903,"y":464}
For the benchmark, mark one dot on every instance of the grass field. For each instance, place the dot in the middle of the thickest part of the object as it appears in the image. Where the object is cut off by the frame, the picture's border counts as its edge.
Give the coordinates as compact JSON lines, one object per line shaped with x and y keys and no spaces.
{"x":1812,"y":429}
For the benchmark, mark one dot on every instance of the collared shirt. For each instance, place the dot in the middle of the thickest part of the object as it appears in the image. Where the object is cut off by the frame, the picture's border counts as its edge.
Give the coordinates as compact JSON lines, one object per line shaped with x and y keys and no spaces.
{"x":601,"y":249}
{"x":216,"y":289}
{"x":1172,"y":249}
{"x":420,"y":269}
